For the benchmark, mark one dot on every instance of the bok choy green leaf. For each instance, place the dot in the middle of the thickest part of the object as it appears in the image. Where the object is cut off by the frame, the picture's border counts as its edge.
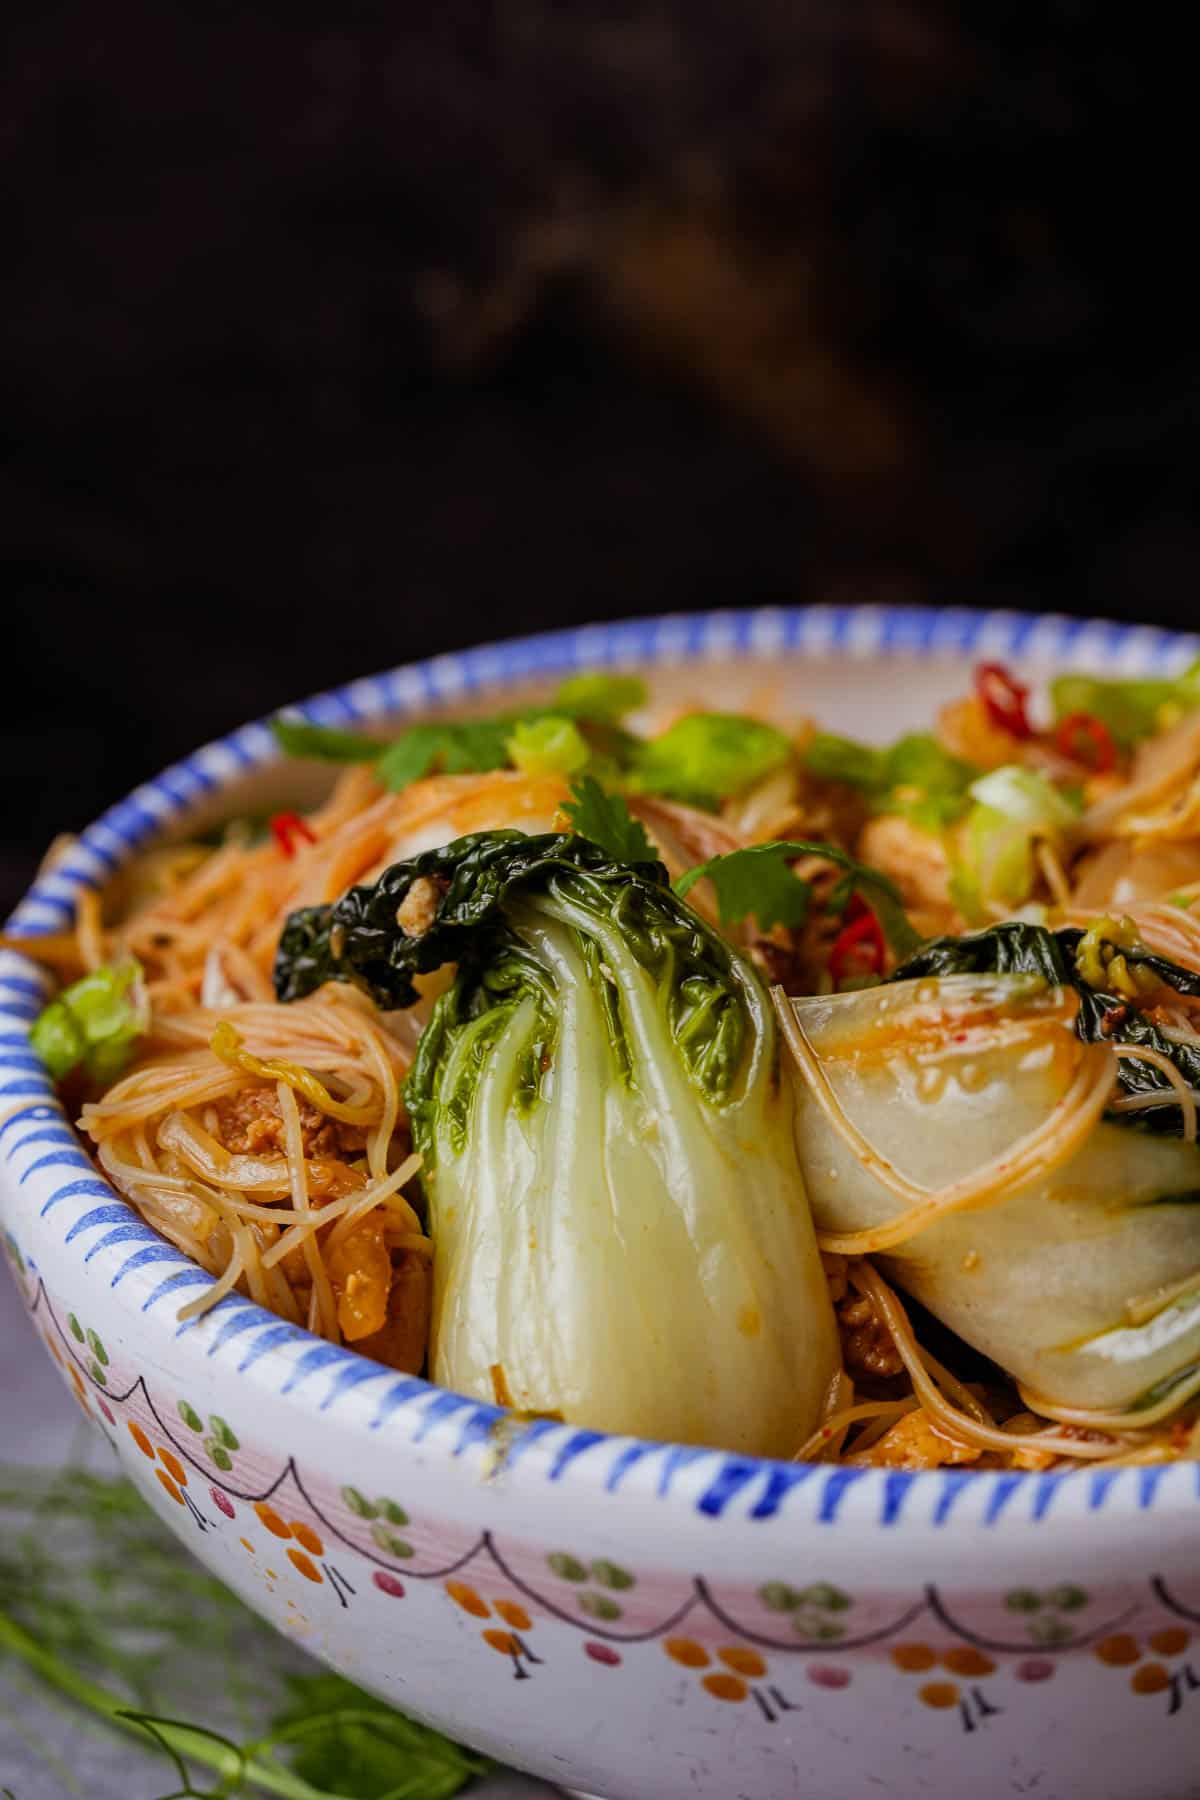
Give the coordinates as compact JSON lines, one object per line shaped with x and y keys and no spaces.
{"x":1124,"y":972}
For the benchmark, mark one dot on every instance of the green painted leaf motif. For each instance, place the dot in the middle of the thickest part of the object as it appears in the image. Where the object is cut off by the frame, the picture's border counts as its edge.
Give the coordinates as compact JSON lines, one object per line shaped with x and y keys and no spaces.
{"x":76,"y":1328}
{"x":1023,"y":1600}
{"x":611,"y":1575}
{"x":599,"y":1606}
{"x":779,"y":1597}
{"x":1068,"y":1598}
{"x":823,"y":1629}
{"x":358,"y":1503}
{"x":569,"y":1567}
{"x":394,"y":1514}
{"x":97,"y":1349}
{"x":219,"y":1454}
{"x":824,"y":1595}
{"x":388,"y":1540}
{"x":190,"y":1416}
{"x":97,"y":1374}
{"x":1049,"y":1630}
{"x":222,"y":1432}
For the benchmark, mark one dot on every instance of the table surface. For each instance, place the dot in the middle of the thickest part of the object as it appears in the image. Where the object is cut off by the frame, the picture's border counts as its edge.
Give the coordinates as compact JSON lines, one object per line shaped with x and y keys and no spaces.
{"x":48,"y":1752}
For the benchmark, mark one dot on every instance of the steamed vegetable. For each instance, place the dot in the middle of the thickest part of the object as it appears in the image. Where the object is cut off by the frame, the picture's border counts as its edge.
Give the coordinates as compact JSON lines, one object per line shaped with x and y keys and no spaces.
{"x":94,"y":1023}
{"x":705,"y":757}
{"x":1079,"y":1274}
{"x":915,"y":777}
{"x":1129,"y":709}
{"x":552,"y":746}
{"x":1115,"y":977}
{"x":1014,"y":808}
{"x":621,"y":1233}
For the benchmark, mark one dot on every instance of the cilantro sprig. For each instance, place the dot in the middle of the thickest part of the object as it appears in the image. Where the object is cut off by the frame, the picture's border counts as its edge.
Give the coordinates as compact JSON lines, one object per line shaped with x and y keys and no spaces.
{"x":760,"y":882}
{"x":593,"y":703}
{"x":606,"y":820}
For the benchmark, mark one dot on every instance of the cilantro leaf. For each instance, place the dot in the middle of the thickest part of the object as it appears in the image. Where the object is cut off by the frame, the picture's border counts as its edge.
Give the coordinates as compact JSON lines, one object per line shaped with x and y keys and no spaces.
{"x":323,"y":742}
{"x":469,"y":747}
{"x":606,"y":820}
{"x":759,"y":881}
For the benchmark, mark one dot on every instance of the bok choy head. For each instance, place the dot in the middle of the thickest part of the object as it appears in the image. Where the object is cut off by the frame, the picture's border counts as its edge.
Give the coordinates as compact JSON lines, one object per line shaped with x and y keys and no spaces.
{"x":620,"y":1226}
{"x":1078,"y":1273}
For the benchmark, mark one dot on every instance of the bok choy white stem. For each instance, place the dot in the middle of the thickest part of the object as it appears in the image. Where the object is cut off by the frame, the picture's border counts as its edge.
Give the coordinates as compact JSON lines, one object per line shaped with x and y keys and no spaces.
{"x":620,"y":1226}
{"x":1081,"y":1278}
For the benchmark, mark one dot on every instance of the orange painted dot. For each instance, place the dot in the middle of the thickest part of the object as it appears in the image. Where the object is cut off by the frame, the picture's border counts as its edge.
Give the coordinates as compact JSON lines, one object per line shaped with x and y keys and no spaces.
{"x":913,"y":1658}
{"x":1118,"y":1651}
{"x":54,"y":1350}
{"x":247,"y":1545}
{"x":1151,"y":1678}
{"x":500,"y":1640}
{"x":1171,"y":1642}
{"x":77,"y":1383}
{"x":743,"y":1661}
{"x":140,"y":1439}
{"x":271,"y":1519}
{"x":963,"y":1660}
{"x":725,"y":1687}
{"x":304,"y":1534}
{"x":169,"y":1485}
{"x":468,"y":1599}
{"x":308,"y":1569}
{"x":513,"y":1615}
{"x":939,"y":1694}
{"x":688,"y":1652}
{"x":173,"y":1466}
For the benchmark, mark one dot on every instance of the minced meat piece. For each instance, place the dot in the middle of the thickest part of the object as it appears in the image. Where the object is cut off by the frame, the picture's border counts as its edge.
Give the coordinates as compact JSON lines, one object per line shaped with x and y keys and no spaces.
{"x":867,"y":1347}
{"x":249,"y":1123}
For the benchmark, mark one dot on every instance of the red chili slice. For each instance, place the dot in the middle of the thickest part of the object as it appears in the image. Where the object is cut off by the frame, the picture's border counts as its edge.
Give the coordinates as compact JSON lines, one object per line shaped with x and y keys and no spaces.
{"x":287,"y":827}
{"x":1086,"y":739}
{"x":861,"y":943}
{"x":1003,"y":698}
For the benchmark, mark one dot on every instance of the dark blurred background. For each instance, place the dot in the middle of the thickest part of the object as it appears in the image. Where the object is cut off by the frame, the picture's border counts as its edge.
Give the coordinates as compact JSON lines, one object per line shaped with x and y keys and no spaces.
{"x":333,"y":337}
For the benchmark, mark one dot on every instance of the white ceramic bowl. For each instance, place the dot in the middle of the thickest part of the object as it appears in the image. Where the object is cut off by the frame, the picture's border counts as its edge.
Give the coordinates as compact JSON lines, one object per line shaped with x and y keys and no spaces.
{"x":631,"y":1618}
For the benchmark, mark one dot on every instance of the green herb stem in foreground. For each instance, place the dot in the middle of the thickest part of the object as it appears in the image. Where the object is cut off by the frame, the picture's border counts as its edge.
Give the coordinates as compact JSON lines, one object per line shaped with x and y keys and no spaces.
{"x":117,"y":1620}
{"x":232,"y":1765}
{"x":383,"y":1755}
